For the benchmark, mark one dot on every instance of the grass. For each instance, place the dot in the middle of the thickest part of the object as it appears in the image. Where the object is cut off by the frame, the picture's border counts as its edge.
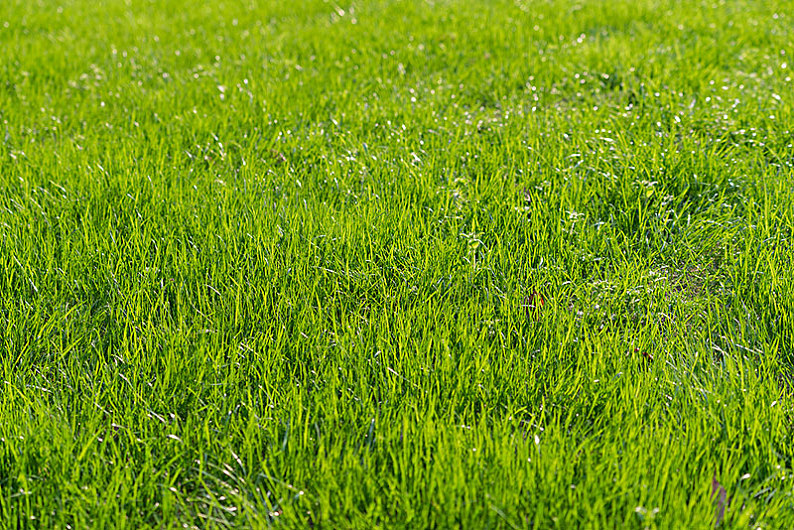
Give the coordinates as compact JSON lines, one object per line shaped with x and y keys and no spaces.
{"x":476,"y":264}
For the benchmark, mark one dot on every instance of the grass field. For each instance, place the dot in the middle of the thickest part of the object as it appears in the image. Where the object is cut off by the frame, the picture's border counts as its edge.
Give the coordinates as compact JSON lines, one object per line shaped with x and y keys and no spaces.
{"x":448,"y":264}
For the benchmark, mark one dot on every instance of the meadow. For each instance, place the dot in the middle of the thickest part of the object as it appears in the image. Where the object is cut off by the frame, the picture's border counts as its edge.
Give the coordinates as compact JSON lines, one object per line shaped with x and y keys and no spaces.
{"x":396,"y":264}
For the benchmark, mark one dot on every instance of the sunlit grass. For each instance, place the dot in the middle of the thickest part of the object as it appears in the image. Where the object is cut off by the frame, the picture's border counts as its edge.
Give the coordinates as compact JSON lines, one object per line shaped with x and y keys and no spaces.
{"x":477,"y":264}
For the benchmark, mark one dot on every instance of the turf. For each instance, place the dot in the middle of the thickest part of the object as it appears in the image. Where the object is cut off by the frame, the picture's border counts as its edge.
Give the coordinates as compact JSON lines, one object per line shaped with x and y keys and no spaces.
{"x":453,"y":263}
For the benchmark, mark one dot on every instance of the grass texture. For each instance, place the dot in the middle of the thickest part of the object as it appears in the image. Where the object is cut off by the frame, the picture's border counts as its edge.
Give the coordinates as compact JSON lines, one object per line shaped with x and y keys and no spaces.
{"x":396,"y":264}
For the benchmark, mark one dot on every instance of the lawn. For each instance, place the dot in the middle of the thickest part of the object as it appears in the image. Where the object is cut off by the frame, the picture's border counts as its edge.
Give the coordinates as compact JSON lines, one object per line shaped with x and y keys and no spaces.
{"x":396,"y":264}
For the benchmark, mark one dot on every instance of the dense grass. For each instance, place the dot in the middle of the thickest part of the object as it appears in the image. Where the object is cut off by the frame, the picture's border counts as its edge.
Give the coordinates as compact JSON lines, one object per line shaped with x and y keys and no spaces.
{"x":480,"y":264}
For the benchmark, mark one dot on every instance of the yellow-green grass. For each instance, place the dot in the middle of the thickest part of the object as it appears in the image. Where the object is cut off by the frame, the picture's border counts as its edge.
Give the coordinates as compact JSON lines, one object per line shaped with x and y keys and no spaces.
{"x":462,"y":263}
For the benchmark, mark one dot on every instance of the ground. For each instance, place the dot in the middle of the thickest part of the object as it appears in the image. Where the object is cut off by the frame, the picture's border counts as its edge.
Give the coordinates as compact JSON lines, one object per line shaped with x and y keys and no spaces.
{"x":453,"y":263}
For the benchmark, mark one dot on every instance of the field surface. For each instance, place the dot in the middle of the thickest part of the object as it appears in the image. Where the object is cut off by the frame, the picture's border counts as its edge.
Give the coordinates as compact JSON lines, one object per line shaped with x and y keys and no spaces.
{"x":396,"y":264}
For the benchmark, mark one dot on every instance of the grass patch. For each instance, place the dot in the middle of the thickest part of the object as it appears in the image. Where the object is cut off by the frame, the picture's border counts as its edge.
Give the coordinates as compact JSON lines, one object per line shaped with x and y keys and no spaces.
{"x":483,"y":264}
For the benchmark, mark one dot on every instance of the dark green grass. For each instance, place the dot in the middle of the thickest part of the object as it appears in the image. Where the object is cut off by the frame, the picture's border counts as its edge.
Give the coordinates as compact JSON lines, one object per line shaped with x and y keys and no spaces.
{"x":478,"y":264}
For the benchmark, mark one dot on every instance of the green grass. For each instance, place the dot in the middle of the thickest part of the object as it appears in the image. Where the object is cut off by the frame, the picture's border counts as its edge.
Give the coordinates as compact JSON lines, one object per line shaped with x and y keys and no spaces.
{"x":463,"y":263}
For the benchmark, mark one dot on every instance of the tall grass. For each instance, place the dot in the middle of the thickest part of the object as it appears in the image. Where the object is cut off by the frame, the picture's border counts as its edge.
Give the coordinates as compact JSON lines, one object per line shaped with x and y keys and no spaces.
{"x":477,"y":264}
